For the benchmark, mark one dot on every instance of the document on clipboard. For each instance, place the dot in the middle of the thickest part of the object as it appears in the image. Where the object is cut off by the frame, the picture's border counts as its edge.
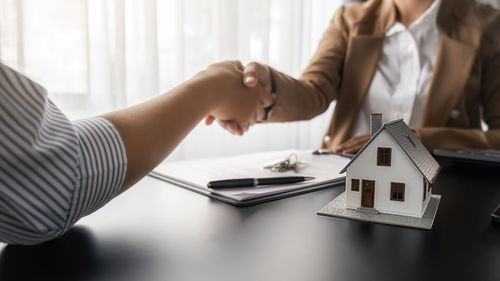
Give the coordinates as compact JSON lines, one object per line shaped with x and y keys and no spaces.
{"x":195,"y":174}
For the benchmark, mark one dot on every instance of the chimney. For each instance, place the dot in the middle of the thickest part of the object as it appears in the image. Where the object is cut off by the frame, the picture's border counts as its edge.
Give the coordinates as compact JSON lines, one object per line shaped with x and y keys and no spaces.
{"x":375,"y":123}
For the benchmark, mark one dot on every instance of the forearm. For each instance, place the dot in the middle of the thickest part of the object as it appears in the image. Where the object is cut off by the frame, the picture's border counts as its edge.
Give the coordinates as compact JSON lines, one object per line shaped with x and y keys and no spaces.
{"x":301,"y":99}
{"x":153,"y":129}
{"x":312,"y":93}
{"x":75,"y":168}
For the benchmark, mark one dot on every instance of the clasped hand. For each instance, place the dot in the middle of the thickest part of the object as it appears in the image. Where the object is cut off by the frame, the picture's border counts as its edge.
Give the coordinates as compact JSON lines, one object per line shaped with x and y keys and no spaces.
{"x":246,"y":92}
{"x":256,"y":77}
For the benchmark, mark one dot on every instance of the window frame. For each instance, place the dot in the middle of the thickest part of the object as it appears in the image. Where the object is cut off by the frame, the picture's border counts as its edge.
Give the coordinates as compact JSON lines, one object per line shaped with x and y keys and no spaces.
{"x":393,"y":186}
{"x":425,"y":193}
{"x":384,"y":151}
{"x":357,"y":186}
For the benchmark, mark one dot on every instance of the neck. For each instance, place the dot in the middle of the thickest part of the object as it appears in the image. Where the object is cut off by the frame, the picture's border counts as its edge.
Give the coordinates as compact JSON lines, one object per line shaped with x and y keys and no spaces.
{"x":410,"y":10}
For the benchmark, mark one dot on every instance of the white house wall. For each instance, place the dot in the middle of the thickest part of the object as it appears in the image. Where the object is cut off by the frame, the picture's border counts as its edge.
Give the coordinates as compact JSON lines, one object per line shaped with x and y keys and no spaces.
{"x":401,"y":170}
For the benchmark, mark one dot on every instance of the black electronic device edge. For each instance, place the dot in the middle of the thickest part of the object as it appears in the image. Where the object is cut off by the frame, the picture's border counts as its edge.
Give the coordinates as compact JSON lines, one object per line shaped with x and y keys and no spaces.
{"x":461,"y":157}
{"x":495,"y":216}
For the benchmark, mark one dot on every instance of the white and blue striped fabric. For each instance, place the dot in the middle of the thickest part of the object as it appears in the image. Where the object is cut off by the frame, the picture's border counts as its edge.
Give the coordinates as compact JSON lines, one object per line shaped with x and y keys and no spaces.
{"x":52,"y":171}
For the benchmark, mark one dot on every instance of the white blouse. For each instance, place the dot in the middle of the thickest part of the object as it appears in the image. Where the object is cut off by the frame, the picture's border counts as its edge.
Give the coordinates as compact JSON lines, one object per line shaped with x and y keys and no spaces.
{"x":401,"y":82}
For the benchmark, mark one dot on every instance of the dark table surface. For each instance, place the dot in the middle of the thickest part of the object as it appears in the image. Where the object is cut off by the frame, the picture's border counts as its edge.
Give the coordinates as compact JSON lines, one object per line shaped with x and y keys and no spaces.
{"x":157,"y":231}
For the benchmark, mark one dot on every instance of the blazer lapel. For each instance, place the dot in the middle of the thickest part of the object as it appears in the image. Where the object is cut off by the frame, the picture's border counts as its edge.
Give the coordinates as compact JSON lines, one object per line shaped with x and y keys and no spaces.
{"x":456,"y":55}
{"x":365,"y":47}
{"x":453,"y":65}
{"x":360,"y":65}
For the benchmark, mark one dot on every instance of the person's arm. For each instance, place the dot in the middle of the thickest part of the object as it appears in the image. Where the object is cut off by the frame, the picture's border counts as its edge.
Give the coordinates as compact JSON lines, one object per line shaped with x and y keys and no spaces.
{"x":153,"y":129}
{"x":54,"y":171}
{"x":312,"y":93}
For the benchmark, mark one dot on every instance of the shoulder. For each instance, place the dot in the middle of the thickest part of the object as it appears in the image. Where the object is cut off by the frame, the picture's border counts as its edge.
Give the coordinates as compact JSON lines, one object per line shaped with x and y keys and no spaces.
{"x":489,"y":19}
{"x":361,"y":11}
{"x":471,"y":23}
{"x":366,"y":17}
{"x":475,"y":15}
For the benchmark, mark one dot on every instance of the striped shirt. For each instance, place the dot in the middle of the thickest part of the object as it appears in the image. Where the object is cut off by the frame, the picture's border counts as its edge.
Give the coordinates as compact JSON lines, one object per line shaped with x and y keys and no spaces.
{"x":52,"y":171}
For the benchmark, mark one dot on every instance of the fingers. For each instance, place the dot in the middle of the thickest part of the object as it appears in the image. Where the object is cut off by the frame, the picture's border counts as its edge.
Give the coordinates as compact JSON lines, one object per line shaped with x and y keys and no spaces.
{"x":250,"y":75}
{"x":242,"y":104}
{"x":353,"y":145}
{"x":255,"y":116}
{"x":225,"y":66}
{"x":240,"y":129}
{"x":239,"y":65}
{"x":417,"y":133}
{"x":209,"y":120}
{"x":231,"y":127}
{"x":235,"y":128}
{"x":244,"y":128}
{"x":256,"y":73}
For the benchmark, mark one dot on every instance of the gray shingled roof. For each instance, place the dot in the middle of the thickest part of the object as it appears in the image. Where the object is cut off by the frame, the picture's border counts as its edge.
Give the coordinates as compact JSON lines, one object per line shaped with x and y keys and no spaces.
{"x":411,"y":145}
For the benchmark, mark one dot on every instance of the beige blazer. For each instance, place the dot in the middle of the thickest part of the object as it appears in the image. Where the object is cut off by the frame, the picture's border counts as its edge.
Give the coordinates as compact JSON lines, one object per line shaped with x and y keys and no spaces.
{"x":464,"y":90}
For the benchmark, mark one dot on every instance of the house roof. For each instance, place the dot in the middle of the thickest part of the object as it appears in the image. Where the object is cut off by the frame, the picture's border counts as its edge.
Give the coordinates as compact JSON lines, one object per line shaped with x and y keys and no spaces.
{"x":411,"y":145}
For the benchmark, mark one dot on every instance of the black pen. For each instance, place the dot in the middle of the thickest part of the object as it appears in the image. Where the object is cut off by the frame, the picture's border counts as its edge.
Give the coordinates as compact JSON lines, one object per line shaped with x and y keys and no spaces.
{"x":249,"y":182}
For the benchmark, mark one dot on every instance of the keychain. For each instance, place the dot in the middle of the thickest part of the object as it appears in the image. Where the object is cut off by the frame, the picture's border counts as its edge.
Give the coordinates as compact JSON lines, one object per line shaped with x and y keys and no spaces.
{"x":290,"y":163}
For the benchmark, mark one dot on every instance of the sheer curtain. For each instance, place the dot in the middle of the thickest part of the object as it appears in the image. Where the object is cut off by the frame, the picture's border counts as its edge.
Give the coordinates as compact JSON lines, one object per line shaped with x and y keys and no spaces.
{"x":94,"y":56}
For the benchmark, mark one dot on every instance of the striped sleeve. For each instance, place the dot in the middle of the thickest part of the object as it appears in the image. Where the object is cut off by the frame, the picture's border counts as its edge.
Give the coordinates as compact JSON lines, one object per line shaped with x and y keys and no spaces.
{"x":103,"y":162}
{"x":52,"y":171}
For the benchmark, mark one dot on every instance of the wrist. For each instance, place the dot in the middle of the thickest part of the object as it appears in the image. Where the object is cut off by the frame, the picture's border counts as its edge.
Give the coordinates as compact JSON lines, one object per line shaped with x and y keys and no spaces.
{"x":269,"y":109}
{"x":203,"y":88}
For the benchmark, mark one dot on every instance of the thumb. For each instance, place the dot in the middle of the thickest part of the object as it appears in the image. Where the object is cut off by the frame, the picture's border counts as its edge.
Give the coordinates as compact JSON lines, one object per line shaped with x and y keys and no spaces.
{"x":250,"y":74}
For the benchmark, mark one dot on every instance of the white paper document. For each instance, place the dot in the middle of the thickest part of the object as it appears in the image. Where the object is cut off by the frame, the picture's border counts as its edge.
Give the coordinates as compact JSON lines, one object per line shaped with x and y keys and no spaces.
{"x":195,"y":174}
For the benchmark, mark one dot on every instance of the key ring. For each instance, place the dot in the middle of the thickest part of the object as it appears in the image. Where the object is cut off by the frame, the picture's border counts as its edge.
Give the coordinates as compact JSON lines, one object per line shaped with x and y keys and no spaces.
{"x":290,"y":163}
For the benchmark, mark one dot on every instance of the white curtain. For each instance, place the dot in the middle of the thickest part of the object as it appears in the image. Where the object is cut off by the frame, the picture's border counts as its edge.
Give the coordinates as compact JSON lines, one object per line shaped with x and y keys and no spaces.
{"x":94,"y":56}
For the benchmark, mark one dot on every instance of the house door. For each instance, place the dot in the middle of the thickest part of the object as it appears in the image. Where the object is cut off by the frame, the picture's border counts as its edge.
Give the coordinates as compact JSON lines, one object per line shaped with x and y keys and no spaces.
{"x":367,"y":193}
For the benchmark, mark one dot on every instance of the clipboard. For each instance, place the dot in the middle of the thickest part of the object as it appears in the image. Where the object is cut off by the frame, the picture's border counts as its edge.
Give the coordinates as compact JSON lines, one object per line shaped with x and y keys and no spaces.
{"x":195,"y":174}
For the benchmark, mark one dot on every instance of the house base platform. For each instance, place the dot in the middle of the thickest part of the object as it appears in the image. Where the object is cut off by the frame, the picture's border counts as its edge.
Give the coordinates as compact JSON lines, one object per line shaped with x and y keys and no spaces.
{"x":336,"y":208}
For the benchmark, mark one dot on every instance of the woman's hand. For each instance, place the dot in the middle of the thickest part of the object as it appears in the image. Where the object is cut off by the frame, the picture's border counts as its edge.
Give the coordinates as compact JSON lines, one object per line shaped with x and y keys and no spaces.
{"x":353,"y":145}
{"x":255,"y":78}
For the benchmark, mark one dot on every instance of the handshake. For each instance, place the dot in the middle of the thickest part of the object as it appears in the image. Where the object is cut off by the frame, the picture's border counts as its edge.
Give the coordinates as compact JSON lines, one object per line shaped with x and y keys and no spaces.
{"x":241,"y":95}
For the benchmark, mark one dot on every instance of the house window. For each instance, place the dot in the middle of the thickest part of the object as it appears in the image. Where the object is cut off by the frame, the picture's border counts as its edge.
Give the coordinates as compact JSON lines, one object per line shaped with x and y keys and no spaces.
{"x":384,"y":156}
{"x":397,"y":191}
{"x":425,"y":193}
{"x":355,"y":185}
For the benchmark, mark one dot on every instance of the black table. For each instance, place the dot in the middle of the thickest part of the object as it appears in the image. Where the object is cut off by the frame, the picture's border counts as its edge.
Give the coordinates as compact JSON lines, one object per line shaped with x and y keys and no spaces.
{"x":157,"y":231}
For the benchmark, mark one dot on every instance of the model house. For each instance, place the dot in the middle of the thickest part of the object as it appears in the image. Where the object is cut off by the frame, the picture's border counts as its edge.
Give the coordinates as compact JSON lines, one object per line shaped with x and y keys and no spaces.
{"x":393,"y":173}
